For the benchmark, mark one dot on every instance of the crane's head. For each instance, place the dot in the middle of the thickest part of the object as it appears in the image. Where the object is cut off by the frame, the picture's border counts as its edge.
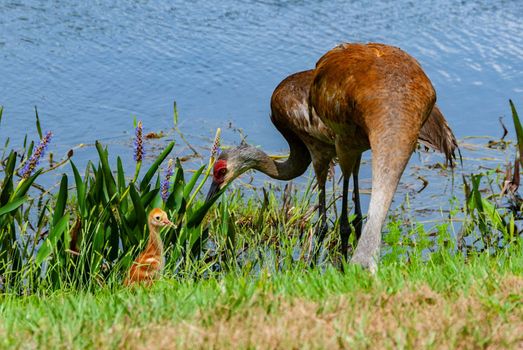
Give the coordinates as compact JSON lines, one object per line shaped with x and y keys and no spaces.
{"x":231,"y":164}
{"x":158,"y":218}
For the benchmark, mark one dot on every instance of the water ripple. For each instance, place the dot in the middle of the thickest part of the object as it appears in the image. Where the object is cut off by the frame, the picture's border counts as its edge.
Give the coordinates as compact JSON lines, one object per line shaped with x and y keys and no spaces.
{"x":97,"y":65}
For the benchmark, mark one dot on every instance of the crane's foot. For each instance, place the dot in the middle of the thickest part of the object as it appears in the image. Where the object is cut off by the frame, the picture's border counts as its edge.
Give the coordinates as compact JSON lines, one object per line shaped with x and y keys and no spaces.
{"x":368,"y":262}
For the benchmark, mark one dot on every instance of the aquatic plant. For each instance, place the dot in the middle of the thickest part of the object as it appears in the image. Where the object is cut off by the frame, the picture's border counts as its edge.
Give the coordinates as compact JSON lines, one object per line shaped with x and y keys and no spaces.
{"x":88,"y":236}
{"x":38,"y":153}
{"x":166,"y":182}
{"x":139,"y":151}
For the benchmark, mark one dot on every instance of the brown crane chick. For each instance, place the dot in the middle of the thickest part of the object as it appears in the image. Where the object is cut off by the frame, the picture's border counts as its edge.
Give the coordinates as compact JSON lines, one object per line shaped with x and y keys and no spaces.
{"x":147,"y":266}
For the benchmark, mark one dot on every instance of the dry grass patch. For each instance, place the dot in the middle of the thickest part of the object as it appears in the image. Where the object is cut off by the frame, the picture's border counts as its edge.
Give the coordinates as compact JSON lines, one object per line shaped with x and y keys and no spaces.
{"x":416,"y":317}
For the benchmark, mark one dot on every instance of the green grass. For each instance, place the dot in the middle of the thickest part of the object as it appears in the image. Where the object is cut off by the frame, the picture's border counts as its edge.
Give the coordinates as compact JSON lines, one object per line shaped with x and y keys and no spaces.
{"x":221,"y":311}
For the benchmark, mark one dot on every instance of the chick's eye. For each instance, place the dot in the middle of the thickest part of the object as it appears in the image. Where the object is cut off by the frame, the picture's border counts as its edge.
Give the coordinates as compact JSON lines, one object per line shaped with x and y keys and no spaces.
{"x":157,"y":217}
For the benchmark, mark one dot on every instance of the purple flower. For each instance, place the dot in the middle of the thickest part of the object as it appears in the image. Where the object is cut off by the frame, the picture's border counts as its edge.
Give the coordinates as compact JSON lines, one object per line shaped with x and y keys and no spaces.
{"x":38,"y":153}
{"x":215,"y":149}
{"x":164,"y":187}
{"x":138,"y":143}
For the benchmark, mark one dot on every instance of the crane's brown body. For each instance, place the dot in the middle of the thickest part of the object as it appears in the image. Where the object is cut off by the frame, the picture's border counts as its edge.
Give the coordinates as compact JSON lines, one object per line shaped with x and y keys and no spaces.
{"x":290,"y":111}
{"x":372,"y":96}
{"x":147,"y":266}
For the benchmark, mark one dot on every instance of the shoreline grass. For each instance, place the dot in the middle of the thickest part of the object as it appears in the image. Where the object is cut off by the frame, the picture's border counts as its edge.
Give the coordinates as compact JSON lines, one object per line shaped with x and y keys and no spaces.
{"x":445,"y":302}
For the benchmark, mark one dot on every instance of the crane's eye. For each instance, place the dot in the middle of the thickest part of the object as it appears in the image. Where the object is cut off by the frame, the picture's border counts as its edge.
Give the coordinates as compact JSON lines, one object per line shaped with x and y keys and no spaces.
{"x":222,"y":172}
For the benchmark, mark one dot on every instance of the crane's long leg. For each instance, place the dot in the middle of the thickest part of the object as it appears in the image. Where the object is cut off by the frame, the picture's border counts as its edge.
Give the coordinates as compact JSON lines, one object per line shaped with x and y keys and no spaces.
{"x":358,"y":221}
{"x":389,"y":161}
{"x":344,"y":221}
{"x":322,"y":228}
{"x":347,"y":159}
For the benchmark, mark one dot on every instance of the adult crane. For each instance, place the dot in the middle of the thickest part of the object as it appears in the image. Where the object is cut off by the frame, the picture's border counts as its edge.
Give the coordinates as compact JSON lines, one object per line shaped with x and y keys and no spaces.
{"x":372,"y":96}
{"x":310,"y":139}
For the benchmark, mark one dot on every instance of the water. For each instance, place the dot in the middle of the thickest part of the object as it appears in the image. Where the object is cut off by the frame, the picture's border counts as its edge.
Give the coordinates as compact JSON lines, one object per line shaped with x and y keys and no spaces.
{"x":91,"y":66}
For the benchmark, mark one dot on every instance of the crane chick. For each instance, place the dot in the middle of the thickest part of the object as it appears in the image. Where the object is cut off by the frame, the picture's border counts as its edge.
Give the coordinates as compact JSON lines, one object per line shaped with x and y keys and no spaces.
{"x":147,"y":266}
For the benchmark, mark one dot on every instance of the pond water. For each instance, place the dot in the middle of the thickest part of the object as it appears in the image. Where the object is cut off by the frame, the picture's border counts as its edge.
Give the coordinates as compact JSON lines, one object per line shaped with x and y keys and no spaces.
{"x":91,"y":66}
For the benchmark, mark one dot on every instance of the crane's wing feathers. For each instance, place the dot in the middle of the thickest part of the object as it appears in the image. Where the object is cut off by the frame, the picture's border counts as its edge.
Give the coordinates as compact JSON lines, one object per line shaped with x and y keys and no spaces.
{"x":290,"y":108}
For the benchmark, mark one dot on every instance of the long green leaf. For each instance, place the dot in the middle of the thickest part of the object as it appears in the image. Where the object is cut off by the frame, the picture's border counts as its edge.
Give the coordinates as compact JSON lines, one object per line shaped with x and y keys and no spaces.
{"x":99,"y":234}
{"x":12,"y":205}
{"x":519,"y":130}
{"x":120,"y":178}
{"x":108,"y":176}
{"x":50,"y":243}
{"x":25,"y":184}
{"x":38,"y":127}
{"x":120,"y":175}
{"x":61,"y":201}
{"x":138,"y":207}
{"x":197,"y":217}
{"x":7,"y":184}
{"x":190,"y":185}
{"x":176,"y":199}
{"x":80,"y":190}
{"x":154,"y":167}
{"x":149,"y":196}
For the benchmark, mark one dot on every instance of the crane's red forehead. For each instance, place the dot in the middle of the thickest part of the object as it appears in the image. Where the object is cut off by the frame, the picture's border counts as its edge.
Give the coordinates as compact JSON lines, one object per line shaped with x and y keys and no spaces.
{"x":219,"y":165}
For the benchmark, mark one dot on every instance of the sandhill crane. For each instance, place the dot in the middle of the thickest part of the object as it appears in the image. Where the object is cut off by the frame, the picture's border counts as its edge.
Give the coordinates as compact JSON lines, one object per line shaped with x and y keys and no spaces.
{"x":372,"y":96}
{"x":148,"y":264}
{"x":310,"y":139}
{"x":290,"y":110}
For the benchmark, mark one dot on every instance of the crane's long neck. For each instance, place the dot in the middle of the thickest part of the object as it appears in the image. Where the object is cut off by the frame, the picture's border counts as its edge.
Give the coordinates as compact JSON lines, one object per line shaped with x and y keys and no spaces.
{"x":294,"y":166}
{"x":155,"y":241}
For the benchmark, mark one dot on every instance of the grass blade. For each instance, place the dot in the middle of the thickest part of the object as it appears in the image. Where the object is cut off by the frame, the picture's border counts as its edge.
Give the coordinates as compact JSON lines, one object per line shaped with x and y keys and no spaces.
{"x":80,"y":190}
{"x":175,"y":114}
{"x":61,"y":201}
{"x":519,"y":130}
{"x":38,"y":127}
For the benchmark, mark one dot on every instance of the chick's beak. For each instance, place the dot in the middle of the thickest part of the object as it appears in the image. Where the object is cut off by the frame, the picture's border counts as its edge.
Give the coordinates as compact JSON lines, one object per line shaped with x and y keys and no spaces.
{"x":167,"y":222}
{"x":215,"y":187}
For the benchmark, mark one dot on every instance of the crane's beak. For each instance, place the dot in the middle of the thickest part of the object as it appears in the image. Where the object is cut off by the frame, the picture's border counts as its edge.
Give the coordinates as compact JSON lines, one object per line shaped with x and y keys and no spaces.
{"x":167,"y":222}
{"x":215,"y":188}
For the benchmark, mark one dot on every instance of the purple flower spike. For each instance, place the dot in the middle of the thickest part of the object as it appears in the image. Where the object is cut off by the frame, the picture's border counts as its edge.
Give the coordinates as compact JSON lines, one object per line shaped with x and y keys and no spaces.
{"x":164,"y":188}
{"x":38,"y":153}
{"x":138,"y":143}
{"x":215,"y":149}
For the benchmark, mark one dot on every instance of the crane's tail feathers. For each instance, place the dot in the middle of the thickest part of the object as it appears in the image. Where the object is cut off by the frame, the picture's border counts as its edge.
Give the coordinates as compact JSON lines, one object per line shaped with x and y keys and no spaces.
{"x":437,"y":135}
